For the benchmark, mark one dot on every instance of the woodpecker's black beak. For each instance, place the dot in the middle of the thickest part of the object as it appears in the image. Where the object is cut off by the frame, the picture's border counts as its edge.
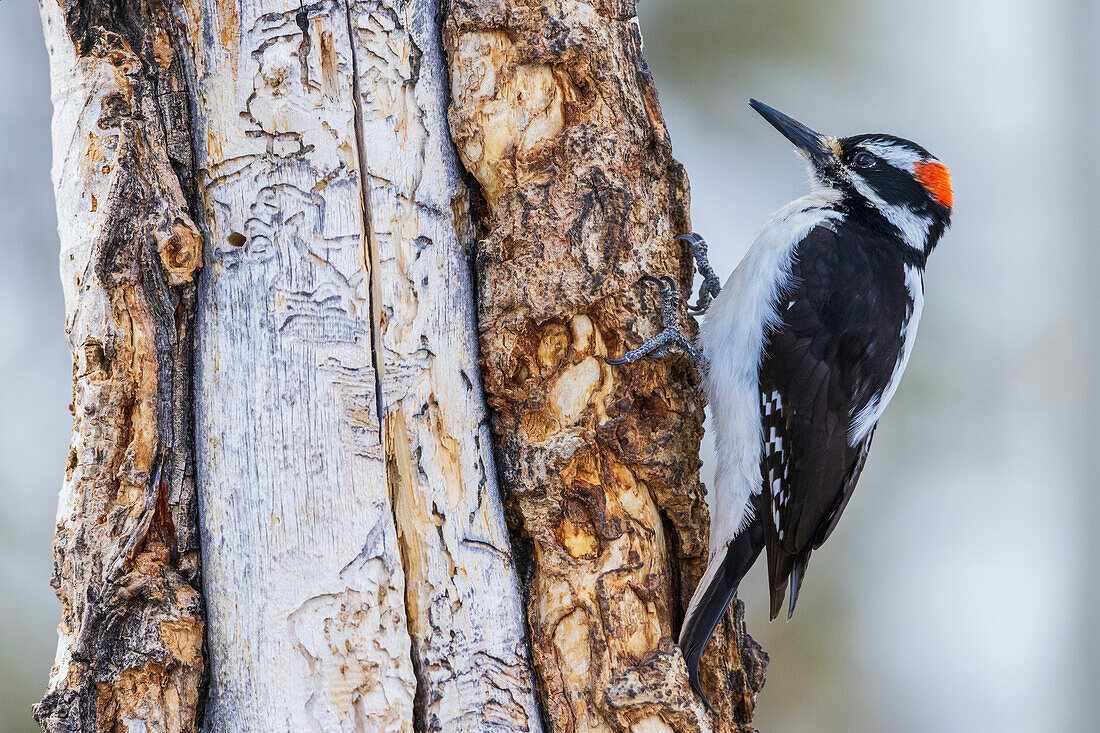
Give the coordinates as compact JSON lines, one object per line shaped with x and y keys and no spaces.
{"x":815,"y":145}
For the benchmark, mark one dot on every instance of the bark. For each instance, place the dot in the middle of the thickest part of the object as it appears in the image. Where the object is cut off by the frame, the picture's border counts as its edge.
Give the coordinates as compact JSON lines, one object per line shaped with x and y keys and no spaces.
{"x":126,"y":561}
{"x":358,"y":570}
{"x":556,"y":116}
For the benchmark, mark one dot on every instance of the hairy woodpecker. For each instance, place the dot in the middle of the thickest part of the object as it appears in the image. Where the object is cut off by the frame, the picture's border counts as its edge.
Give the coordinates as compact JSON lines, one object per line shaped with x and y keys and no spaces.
{"x":802,"y":350}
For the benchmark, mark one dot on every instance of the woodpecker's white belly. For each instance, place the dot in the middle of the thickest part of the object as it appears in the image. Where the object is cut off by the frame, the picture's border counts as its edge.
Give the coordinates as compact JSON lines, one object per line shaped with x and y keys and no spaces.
{"x":732,"y":339}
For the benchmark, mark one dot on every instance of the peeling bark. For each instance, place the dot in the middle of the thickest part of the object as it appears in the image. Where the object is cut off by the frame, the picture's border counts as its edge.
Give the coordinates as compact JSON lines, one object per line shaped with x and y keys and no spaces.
{"x":126,"y":553}
{"x":556,"y":116}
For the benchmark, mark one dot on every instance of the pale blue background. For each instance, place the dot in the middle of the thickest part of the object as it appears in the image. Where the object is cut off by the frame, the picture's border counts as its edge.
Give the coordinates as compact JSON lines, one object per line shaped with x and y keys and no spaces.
{"x":959,"y":593}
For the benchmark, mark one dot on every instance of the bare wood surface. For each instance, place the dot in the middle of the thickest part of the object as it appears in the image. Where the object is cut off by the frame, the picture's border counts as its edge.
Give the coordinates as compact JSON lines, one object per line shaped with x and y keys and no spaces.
{"x":126,"y":560}
{"x":358,"y":569}
{"x":462,"y":592}
{"x":556,"y":116}
{"x":303,"y":570}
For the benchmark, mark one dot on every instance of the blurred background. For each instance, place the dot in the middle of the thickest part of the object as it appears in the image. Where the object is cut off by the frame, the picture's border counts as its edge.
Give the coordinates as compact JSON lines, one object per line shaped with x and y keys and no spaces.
{"x":959,"y":593}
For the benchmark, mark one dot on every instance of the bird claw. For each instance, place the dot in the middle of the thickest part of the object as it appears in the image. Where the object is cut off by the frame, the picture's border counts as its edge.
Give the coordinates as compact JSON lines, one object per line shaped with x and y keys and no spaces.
{"x":659,"y":345}
{"x":665,"y":284}
{"x":712,"y":284}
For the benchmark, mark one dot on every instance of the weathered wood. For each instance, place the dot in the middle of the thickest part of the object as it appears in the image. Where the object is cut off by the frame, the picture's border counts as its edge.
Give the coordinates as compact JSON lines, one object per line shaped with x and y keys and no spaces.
{"x":305,"y":591}
{"x":358,"y":570}
{"x":555,"y":114}
{"x":126,"y":559}
{"x":462,"y":592}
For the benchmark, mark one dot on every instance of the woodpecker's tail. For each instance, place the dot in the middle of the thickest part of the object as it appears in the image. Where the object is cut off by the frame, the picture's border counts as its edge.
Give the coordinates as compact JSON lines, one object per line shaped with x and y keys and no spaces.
{"x":713,"y":595}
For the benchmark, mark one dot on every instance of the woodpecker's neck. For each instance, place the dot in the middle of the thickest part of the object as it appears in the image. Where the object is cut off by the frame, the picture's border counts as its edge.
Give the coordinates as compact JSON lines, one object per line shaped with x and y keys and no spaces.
{"x":915,"y":233}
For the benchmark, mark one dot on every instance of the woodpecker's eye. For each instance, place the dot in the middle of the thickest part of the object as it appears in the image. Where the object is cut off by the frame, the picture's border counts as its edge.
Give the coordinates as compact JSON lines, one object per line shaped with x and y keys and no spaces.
{"x":863,"y":160}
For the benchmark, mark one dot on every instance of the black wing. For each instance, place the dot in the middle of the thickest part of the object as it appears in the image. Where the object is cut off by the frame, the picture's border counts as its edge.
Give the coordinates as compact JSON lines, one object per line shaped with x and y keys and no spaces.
{"x":833,"y":352}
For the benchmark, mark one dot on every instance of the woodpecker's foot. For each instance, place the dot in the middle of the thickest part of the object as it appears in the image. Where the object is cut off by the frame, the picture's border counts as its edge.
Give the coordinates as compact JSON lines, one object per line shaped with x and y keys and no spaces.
{"x":660,"y":344}
{"x":712,"y":285}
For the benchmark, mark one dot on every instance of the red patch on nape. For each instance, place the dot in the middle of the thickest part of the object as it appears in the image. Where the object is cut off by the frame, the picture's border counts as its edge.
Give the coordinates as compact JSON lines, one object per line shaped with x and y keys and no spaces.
{"x":936,"y":179}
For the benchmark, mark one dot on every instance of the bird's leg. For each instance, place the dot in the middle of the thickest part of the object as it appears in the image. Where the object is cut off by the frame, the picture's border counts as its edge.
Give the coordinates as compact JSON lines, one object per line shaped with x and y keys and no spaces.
{"x":660,"y":344}
{"x":712,"y":285}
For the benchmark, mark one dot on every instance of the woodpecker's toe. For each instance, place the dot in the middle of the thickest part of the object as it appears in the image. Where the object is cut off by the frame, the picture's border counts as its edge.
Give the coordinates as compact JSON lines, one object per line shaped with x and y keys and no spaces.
{"x":692,"y":239}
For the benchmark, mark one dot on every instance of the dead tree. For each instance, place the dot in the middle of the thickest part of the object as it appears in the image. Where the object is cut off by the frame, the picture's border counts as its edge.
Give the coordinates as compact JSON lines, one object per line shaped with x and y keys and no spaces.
{"x":279,"y":271}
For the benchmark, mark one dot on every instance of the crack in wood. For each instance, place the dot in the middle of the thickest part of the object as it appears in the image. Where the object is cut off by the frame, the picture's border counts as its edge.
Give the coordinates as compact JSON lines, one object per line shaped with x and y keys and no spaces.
{"x":370,"y":249}
{"x":372,"y":264}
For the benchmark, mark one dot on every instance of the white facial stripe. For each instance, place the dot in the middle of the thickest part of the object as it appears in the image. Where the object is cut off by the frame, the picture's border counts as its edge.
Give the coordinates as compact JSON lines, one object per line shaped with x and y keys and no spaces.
{"x":913,"y":228}
{"x":895,"y":155}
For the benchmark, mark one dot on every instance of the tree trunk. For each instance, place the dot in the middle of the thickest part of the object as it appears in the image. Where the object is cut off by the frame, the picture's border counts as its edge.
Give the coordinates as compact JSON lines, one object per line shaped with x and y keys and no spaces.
{"x":126,"y":560}
{"x":357,"y":569}
{"x":555,"y":114}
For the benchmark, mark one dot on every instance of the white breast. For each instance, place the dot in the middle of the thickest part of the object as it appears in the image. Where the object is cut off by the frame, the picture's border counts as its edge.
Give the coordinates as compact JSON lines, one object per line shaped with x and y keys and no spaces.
{"x":732,"y":338}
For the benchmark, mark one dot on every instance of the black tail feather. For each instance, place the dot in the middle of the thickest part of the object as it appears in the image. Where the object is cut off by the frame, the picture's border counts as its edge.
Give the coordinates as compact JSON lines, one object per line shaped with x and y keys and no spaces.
{"x":700,"y":625}
{"x":798,"y":571}
{"x":788,"y":571}
{"x":778,"y":591}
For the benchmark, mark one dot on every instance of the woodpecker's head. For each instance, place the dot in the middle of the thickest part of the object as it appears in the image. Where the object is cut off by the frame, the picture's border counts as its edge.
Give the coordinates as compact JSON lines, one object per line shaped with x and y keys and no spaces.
{"x":886,"y":181}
